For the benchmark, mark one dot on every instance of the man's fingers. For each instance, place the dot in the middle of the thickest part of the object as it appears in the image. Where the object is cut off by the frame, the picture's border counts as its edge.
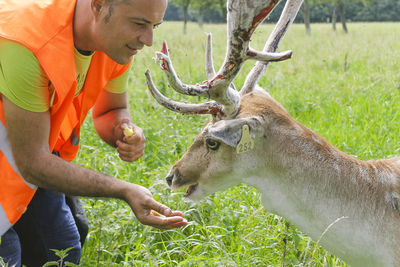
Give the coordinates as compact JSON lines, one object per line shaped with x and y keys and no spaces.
{"x":128,"y":153}
{"x":131,"y":146}
{"x":151,"y":212}
{"x":161,"y":208}
{"x":127,"y":156}
{"x":161,"y":216}
{"x":176,"y":213}
{"x":135,"y":134}
{"x":165,"y":222}
{"x":128,"y":147}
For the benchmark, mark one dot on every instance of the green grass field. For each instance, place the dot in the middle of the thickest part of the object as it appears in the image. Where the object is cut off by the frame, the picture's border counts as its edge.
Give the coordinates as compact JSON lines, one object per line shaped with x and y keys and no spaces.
{"x":344,"y":87}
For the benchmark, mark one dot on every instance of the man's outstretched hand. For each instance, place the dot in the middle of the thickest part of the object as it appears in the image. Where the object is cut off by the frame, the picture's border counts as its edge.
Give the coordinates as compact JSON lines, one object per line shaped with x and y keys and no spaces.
{"x":143,"y":205}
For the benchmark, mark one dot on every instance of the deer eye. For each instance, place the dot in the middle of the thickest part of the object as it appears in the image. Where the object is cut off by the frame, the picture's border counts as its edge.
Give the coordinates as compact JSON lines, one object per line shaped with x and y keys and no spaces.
{"x":212,"y":144}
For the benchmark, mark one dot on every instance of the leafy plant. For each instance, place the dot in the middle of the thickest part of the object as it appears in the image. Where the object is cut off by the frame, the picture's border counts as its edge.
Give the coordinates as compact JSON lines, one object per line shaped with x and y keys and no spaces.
{"x":62,"y":254}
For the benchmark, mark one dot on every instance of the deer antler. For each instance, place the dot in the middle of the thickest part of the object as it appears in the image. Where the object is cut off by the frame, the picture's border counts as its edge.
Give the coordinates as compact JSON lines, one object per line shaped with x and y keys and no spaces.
{"x":243,"y":18}
{"x":209,"y":60}
{"x":211,"y":107}
{"x":288,"y":15}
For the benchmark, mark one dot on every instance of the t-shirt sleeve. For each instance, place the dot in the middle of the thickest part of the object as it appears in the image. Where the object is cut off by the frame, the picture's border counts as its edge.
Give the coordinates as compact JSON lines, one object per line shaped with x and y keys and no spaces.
{"x":119,"y":84}
{"x":22,"y":79}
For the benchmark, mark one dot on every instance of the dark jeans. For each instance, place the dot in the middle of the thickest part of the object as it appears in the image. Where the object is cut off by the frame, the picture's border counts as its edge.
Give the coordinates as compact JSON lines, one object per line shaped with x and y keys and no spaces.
{"x":47,"y":224}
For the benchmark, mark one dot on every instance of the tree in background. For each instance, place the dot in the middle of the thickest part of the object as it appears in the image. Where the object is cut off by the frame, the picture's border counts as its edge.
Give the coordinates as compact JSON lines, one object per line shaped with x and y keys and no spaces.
{"x":184,"y":4}
{"x":222,"y":7}
{"x":313,"y":11}
{"x":202,"y":7}
{"x":338,"y":5}
{"x":378,"y":10}
{"x":305,"y":11}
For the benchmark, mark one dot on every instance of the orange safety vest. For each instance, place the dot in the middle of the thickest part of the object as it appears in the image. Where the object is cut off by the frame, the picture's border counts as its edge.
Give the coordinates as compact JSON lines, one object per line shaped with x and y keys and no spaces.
{"x":46,"y":28}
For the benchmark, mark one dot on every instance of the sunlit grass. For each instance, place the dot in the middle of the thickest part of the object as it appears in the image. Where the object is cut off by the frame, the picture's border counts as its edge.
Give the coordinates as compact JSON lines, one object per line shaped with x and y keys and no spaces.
{"x":344,"y":87}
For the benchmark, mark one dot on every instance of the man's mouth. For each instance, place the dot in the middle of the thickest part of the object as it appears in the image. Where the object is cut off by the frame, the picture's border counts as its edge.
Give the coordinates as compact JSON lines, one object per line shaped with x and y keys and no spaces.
{"x":133,"y":50}
{"x":190,"y":190}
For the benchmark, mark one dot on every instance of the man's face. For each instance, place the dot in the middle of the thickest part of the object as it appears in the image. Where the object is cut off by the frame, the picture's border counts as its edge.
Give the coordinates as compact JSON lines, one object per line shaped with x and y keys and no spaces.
{"x":122,"y":29}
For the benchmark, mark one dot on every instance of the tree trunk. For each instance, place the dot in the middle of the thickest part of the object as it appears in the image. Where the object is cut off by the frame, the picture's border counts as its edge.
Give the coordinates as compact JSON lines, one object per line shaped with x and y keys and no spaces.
{"x":305,"y":10}
{"x":200,"y":18}
{"x":185,"y":17}
{"x":334,"y":17}
{"x":342,"y":13}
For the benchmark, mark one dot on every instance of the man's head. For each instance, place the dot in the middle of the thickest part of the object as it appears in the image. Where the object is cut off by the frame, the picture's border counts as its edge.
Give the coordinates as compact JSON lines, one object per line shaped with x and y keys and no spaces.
{"x":122,"y":27}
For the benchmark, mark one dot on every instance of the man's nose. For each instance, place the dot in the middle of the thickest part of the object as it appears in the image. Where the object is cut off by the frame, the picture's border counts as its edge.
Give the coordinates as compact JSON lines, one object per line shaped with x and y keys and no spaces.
{"x":147,"y":37}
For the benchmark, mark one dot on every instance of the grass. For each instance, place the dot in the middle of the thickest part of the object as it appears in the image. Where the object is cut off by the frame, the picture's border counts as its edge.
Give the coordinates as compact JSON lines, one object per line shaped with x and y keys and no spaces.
{"x":344,"y":87}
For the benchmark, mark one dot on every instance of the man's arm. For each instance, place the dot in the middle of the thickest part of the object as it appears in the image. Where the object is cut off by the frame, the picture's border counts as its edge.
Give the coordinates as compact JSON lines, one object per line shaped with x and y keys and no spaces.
{"x":29,"y":134}
{"x":110,"y":116}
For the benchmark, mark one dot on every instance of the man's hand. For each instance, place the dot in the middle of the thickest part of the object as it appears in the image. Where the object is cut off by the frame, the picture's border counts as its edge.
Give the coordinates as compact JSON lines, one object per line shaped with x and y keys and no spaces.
{"x":142,"y":203}
{"x":130,"y":148}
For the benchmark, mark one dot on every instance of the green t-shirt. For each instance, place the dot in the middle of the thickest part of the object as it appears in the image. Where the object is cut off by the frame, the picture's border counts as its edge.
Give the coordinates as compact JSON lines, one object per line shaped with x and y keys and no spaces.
{"x":24,"y":82}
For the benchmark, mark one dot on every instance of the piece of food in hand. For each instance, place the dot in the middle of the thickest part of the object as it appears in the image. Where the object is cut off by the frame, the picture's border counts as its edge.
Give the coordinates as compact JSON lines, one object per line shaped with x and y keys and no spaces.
{"x":155,"y":213}
{"x":128,"y":131}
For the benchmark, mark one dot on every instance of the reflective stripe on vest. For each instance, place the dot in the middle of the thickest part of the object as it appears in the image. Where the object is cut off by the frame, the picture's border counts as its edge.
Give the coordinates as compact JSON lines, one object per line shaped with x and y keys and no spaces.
{"x":4,"y":223}
{"x":11,"y":209}
{"x":5,"y":147}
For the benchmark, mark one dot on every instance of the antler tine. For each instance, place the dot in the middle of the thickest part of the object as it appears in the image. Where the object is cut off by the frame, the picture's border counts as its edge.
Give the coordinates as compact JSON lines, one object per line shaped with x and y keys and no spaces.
{"x":165,"y":64}
{"x":286,"y":19}
{"x":209,"y":60}
{"x":211,"y":107}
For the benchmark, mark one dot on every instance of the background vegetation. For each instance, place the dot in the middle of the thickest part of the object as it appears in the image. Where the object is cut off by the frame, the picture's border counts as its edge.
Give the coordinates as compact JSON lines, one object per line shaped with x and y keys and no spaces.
{"x":343,"y":86}
{"x":333,"y":11}
{"x":320,"y":10}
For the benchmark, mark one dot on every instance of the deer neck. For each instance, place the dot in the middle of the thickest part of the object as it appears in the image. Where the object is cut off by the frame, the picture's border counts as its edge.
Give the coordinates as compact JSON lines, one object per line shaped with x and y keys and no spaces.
{"x":313,"y":184}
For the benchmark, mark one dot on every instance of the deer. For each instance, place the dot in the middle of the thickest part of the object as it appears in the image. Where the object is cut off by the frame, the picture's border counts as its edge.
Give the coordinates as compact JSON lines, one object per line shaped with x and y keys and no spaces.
{"x":252,"y":139}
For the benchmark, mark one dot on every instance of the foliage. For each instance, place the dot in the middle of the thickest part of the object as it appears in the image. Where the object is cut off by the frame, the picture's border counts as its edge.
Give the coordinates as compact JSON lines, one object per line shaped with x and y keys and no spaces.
{"x":61,"y":254}
{"x":344,"y":87}
{"x":202,"y":7}
{"x":2,"y":263}
{"x":184,"y":4}
{"x":383,"y":10}
{"x":321,"y":11}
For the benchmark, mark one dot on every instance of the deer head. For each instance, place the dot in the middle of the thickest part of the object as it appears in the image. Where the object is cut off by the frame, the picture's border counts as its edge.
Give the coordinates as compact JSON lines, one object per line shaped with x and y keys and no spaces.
{"x":219,"y":156}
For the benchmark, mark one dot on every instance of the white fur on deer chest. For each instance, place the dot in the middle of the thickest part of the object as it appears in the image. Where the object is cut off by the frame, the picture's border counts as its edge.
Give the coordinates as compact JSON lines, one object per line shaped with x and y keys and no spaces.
{"x":356,"y":238}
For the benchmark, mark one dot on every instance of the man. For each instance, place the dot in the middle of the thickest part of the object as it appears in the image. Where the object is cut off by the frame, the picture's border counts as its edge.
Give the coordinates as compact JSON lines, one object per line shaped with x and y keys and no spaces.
{"x":58,"y":59}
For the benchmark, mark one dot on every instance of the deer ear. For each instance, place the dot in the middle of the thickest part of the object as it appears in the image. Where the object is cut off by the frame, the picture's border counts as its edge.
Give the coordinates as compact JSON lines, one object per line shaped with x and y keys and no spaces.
{"x":230,"y":131}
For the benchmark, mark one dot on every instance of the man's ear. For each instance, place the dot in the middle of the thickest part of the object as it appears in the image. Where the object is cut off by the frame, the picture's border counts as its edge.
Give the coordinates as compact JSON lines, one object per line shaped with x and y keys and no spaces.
{"x":230,"y":131}
{"x":97,"y":6}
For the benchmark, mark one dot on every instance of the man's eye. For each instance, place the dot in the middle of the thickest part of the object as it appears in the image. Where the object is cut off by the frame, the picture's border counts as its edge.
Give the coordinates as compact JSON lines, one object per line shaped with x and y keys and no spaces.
{"x":139,"y":24}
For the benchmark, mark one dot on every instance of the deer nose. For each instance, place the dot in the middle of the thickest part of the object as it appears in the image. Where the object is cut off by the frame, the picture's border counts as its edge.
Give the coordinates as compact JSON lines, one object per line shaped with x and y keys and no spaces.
{"x":169,"y":179}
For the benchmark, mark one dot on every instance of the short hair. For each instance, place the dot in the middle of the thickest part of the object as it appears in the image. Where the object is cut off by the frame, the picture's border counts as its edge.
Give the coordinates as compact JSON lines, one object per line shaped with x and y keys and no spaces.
{"x":111,"y":4}
{"x":116,"y":2}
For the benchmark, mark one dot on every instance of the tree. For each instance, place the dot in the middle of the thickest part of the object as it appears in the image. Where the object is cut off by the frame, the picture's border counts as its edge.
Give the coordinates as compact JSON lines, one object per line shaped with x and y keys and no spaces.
{"x":184,"y":4}
{"x":222,"y":7}
{"x":305,"y":11}
{"x":173,"y":13}
{"x":203,"y":6}
{"x":378,"y":10}
{"x":340,"y":6}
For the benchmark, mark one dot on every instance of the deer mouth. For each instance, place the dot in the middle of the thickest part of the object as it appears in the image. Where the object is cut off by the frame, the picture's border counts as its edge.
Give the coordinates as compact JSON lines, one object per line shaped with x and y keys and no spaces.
{"x":190,"y":190}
